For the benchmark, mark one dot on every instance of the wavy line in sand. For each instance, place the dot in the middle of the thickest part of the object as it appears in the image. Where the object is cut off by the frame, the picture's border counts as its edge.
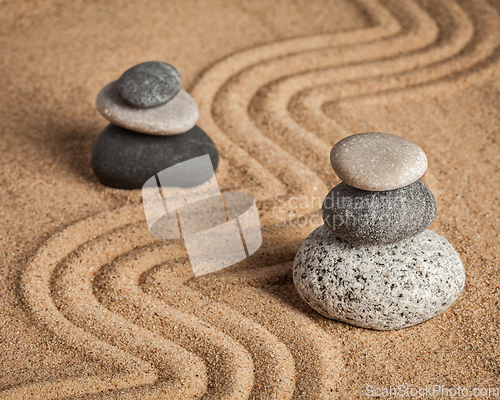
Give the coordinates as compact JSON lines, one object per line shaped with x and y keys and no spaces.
{"x":35,"y":280}
{"x":316,"y":353}
{"x":274,"y":367}
{"x":229,"y":105}
{"x":291,"y":176}
{"x":467,"y":36}
{"x":474,"y":63}
{"x":417,"y":30}
{"x":74,"y":306}
{"x":105,"y":331}
{"x":147,"y":322}
{"x":36,"y":289}
{"x":270,"y":109}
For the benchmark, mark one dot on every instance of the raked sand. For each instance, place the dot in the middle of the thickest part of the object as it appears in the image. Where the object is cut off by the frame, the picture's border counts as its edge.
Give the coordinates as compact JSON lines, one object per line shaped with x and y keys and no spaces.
{"x":92,"y":306}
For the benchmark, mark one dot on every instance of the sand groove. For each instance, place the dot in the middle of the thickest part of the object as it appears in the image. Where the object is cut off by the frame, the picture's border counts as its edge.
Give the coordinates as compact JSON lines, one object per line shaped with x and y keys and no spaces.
{"x":274,"y":367}
{"x":170,"y":337}
{"x":425,"y":42}
{"x":252,"y":86}
{"x":293,"y":177}
{"x":316,"y":354}
{"x":74,"y":284}
{"x":35,"y":286}
{"x":467,"y":36}
{"x":470,"y":63}
{"x":139,"y":337}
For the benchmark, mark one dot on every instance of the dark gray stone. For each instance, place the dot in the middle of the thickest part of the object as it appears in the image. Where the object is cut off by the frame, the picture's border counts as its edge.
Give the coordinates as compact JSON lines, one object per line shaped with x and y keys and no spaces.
{"x":383,"y":287}
{"x":384,"y":217}
{"x":149,"y":84}
{"x":126,"y":159}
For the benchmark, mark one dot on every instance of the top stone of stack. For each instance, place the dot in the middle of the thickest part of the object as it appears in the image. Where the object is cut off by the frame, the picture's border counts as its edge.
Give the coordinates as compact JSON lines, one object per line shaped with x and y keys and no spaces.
{"x":148,"y":98}
{"x":149,"y":84}
{"x":377,"y":161}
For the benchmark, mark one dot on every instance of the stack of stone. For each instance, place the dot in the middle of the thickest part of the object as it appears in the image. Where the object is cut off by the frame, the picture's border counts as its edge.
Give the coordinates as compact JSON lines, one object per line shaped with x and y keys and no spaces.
{"x":374,"y":263}
{"x":153,"y":127}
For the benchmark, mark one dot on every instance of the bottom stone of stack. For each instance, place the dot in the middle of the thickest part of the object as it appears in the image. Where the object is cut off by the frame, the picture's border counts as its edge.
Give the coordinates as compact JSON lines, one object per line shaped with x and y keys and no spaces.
{"x":384,"y":287}
{"x":125,"y":159}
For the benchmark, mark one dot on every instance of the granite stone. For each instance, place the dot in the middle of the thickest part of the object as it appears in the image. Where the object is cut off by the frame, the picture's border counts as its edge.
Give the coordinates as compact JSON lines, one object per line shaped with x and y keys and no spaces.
{"x":377,"y":161}
{"x":126,"y":159}
{"x":383,"y":217}
{"x":385,"y":287}
{"x":177,"y":116}
{"x":149,"y":84}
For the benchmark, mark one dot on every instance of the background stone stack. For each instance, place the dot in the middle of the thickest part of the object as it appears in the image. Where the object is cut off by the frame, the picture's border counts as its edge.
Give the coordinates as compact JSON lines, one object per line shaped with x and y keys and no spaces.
{"x":374,"y":263}
{"x":153,"y":126}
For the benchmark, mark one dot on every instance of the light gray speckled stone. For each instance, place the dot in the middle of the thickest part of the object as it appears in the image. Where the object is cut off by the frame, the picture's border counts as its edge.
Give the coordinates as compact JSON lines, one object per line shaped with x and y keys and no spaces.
{"x":383,"y":287}
{"x":177,"y":116}
{"x":377,"y":161}
{"x":383,"y":217}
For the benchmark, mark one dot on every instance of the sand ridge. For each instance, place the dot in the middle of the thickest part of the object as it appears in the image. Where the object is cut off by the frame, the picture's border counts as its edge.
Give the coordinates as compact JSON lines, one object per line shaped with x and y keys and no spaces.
{"x":128,"y":302}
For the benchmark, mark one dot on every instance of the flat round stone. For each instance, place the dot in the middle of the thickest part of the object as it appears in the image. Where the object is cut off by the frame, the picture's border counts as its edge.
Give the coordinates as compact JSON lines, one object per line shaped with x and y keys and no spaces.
{"x":149,"y":84}
{"x":125,"y":159}
{"x":364,"y":217}
{"x":177,"y":116}
{"x":384,"y":287}
{"x":377,"y":161}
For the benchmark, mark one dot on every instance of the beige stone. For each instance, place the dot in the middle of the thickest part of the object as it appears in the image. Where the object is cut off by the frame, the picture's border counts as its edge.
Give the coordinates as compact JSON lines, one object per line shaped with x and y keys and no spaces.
{"x":177,"y":116}
{"x":377,"y":161}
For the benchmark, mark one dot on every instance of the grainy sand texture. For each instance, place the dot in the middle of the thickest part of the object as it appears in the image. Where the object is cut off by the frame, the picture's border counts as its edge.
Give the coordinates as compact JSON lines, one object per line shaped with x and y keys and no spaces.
{"x":92,"y":306}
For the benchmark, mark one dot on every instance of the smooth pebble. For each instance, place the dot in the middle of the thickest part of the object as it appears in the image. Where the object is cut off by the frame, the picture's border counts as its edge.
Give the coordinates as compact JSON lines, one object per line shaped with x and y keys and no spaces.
{"x":149,"y":84}
{"x":384,"y":287}
{"x":384,"y":217}
{"x":125,"y":159}
{"x":377,"y":161}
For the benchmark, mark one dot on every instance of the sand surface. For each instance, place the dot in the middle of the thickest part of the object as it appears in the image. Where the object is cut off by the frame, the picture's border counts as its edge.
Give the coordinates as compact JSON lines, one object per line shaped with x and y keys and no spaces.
{"x":91,"y":306}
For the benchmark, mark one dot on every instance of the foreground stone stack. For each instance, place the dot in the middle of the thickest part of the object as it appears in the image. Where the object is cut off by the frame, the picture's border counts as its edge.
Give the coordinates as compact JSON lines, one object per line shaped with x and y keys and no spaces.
{"x":374,"y":263}
{"x":153,"y":126}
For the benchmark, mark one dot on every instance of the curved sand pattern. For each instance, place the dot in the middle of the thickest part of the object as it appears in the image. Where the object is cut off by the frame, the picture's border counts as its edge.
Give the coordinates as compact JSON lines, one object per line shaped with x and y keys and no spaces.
{"x":168,"y":370}
{"x":168,"y":336}
{"x":229,"y":361}
{"x":415,"y":53}
{"x":183,"y":373}
{"x":273,"y":361}
{"x":268,"y":105}
{"x":316,"y":353}
{"x":273,"y":107}
{"x":470,"y":42}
